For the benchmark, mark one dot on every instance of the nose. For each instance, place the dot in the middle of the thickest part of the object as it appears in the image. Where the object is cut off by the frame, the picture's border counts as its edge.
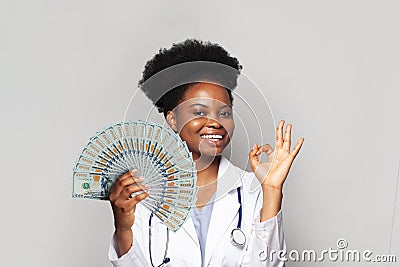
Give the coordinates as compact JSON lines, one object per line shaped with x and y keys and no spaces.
{"x":213,"y":123}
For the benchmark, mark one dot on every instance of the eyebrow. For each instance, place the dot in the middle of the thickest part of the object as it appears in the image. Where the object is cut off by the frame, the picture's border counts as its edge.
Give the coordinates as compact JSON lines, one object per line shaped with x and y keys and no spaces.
{"x":197,"y":104}
{"x":205,"y":106}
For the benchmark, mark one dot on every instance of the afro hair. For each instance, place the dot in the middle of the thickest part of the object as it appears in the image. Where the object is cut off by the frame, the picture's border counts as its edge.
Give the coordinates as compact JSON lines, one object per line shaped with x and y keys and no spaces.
{"x":172,"y":71}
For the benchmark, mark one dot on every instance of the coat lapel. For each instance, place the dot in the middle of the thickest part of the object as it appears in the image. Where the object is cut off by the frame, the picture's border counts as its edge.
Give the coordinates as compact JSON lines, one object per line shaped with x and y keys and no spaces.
{"x":190,"y":230}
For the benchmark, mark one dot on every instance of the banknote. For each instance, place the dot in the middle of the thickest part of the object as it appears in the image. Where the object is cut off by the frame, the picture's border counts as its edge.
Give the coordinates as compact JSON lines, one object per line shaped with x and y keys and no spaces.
{"x":159,"y":156}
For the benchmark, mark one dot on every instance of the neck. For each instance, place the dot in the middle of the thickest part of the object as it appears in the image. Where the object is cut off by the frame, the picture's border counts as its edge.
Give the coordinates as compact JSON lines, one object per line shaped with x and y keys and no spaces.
{"x":207,"y":170}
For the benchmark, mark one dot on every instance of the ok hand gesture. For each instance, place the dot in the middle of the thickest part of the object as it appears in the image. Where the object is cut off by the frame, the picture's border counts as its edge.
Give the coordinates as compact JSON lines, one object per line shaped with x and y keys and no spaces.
{"x":273,"y":172}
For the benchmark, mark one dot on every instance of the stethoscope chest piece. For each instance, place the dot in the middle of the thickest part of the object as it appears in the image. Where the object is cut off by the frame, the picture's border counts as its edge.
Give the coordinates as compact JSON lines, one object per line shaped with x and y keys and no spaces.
{"x":238,"y":238}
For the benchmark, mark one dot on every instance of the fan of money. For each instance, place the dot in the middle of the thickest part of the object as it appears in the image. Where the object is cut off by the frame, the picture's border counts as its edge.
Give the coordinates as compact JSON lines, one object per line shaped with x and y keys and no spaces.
{"x":158,"y":154}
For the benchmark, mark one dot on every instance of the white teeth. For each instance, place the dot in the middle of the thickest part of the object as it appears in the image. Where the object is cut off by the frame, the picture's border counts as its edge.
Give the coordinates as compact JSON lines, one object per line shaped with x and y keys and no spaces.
{"x":211,"y":136}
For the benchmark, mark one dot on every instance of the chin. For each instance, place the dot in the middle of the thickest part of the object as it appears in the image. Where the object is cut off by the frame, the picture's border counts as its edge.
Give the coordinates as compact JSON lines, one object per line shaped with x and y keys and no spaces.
{"x":211,"y":154}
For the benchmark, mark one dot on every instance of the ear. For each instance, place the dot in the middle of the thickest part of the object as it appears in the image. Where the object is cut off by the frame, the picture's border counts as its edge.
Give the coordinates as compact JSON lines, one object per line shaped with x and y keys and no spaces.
{"x":171,"y":120}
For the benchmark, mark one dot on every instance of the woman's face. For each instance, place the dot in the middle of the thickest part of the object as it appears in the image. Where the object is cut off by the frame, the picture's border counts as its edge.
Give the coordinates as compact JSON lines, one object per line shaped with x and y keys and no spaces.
{"x":204,"y":119}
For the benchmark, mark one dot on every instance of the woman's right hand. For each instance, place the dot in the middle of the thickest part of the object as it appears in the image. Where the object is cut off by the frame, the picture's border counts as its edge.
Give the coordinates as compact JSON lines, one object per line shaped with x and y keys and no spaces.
{"x":123,"y":206}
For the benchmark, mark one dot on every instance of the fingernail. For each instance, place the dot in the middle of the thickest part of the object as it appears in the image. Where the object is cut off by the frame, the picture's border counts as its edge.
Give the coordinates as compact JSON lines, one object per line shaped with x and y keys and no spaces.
{"x":140,"y":179}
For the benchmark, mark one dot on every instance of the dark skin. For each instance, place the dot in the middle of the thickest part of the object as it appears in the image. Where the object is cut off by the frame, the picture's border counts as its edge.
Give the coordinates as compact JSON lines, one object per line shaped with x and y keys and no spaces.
{"x":204,"y":110}
{"x":204,"y":120}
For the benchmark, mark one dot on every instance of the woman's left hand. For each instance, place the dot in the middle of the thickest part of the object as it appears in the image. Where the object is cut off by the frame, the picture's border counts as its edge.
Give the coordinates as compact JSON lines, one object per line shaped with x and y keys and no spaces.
{"x":273,"y":172}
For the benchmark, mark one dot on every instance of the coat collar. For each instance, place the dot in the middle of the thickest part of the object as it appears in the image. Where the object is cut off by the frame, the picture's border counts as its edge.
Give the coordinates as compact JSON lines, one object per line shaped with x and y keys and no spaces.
{"x":225,"y":208}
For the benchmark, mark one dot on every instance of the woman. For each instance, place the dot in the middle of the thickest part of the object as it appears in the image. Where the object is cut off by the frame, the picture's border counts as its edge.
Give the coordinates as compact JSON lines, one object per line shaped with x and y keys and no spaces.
{"x":201,"y":112}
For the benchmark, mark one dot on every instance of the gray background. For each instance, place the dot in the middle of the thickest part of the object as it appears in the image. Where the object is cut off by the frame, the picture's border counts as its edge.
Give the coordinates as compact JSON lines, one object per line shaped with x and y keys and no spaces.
{"x":331,"y":68}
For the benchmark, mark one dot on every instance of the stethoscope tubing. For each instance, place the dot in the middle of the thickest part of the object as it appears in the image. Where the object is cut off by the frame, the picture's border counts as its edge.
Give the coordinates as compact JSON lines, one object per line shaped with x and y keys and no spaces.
{"x":239,"y":224}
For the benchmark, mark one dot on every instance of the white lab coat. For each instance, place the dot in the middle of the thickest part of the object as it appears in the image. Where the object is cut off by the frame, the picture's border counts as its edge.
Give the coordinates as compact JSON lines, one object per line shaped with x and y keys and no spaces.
{"x":184,"y":248}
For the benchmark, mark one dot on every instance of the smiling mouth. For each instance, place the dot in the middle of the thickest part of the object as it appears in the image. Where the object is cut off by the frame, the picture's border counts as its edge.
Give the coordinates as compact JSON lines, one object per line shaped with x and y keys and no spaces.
{"x":212,"y":137}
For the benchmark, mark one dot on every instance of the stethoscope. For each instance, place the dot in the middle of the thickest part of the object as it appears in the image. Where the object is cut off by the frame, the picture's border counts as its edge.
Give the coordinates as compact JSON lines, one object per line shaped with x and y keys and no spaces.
{"x":238,"y":238}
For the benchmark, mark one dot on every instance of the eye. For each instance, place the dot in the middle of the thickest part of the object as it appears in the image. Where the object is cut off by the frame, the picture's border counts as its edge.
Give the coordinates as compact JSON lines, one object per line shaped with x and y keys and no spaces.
{"x":199,"y":113}
{"x":225,"y":114}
